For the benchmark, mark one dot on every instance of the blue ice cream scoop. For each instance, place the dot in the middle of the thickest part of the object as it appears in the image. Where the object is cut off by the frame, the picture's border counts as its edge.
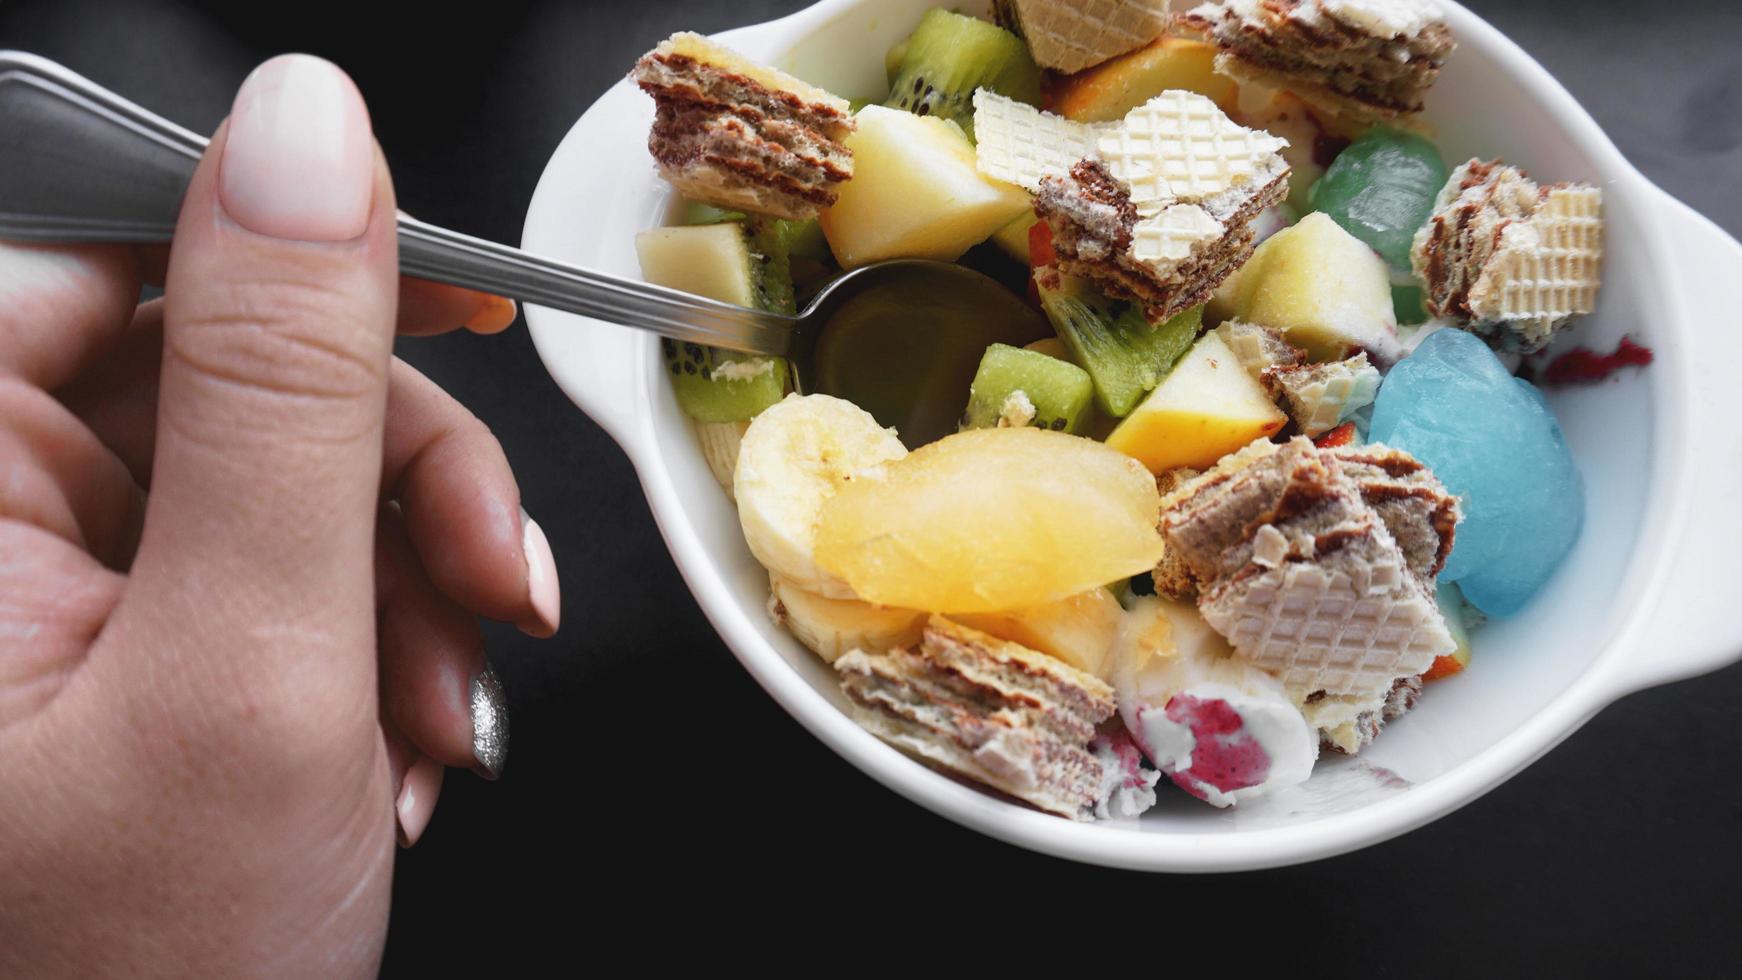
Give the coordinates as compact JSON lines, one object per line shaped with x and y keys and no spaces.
{"x":1492,"y":440}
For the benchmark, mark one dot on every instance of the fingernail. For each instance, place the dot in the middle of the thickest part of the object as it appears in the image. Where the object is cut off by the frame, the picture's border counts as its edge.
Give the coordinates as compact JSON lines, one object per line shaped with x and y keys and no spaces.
{"x":494,"y":316}
{"x":417,"y":798}
{"x":299,"y":159}
{"x":541,"y":582}
{"x":489,"y":724}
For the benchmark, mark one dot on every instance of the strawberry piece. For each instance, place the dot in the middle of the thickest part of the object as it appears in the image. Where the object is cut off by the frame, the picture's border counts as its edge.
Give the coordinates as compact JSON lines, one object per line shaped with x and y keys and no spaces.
{"x":1443,"y":667}
{"x":1581,"y":365}
{"x":1225,"y":757}
{"x":1119,"y":752}
{"x":1342,"y":435}
{"x":1040,"y":251}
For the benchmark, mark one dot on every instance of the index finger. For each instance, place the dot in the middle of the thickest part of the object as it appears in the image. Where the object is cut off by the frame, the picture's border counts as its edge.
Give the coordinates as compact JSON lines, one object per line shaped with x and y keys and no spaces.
{"x":431,"y":307}
{"x":61,"y":307}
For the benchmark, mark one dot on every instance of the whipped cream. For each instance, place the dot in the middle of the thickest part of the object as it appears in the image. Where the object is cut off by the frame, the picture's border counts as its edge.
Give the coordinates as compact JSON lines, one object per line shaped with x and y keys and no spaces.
{"x":1384,"y":18}
{"x":1220,"y":728}
{"x":1017,"y":411}
{"x":742,"y":370}
{"x":1127,"y":789}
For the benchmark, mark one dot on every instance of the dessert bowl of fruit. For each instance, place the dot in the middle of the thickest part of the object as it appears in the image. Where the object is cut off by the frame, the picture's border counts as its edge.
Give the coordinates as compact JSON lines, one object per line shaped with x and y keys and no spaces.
{"x":1328,"y":421}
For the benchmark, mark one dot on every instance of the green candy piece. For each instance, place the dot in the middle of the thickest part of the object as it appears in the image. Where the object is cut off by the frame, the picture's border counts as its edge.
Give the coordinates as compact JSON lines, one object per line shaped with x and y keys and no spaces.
{"x":1411,"y":305}
{"x":1381,"y":189}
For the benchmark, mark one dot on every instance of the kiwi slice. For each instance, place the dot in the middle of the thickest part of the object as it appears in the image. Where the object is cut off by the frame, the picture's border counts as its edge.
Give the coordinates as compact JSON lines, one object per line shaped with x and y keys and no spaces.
{"x":770,"y":241}
{"x":714,"y":385}
{"x":1051,"y":393}
{"x":893,"y":59}
{"x":771,"y":236}
{"x":805,"y":240}
{"x":949,"y":56}
{"x":745,"y":262}
{"x":1124,"y":355}
{"x":697,"y":213}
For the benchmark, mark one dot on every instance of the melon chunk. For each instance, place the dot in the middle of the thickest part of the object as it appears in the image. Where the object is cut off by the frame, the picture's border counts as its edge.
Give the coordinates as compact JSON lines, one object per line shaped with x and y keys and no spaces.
{"x":708,"y":260}
{"x":1206,"y":408}
{"x":1013,"y":237}
{"x":916,"y":193}
{"x":1327,"y":292}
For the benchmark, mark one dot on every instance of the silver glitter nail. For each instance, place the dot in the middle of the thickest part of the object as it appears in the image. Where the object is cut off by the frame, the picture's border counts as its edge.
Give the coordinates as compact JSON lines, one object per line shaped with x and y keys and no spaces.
{"x":489,"y":724}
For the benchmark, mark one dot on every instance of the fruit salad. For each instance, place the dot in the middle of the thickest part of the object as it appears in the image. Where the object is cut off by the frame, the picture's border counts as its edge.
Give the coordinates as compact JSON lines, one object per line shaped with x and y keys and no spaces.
{"x":1235,"y":467}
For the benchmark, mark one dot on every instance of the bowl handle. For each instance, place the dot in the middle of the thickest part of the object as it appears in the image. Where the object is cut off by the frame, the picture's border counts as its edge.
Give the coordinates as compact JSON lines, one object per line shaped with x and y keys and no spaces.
{"x":1695,"y":625}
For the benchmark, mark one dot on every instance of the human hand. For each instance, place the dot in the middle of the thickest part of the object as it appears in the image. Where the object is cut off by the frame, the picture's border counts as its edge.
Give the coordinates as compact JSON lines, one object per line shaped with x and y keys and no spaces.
{"x":241,"y":550}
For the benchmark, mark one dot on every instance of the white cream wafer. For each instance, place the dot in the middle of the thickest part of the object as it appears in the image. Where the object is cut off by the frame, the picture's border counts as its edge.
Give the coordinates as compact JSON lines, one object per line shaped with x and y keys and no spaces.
{"x":1007,"y":716}
{"x":1180,"y":146}
{"x":1321,"y":397}
{"x":1547,"y":268}
{"x":1071,"y":35}
{"x":1347,"y":724}
{"x":1302,"y":572}
{"x":1507,"y":259}
{"x":1258,"y":347}
{"x":1168,"y":238}
{"x":1019,"y":144}
{"x":1361,"y":59}
{"x":1350,"y":624}
{"x":1161,"y":212}
{"x":1379,"y":18}
{"x":695,"y":47}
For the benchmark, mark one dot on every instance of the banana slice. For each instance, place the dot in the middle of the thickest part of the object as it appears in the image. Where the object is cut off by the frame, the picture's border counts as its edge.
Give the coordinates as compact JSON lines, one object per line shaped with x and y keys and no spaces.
{"x":832,"y":627}
{"x":720,"y":443}
{"x":794,"y":456}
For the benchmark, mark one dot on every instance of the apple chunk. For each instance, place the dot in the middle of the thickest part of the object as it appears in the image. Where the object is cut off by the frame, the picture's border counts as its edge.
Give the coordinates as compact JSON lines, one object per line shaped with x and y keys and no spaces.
{"x":1323,"y":288}
{"x":916,"y":192}
{"x":1206,"y":408}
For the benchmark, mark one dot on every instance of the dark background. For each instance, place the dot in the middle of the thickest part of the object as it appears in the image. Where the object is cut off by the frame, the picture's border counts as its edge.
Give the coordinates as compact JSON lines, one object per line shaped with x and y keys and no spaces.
{"x":657,"y":803}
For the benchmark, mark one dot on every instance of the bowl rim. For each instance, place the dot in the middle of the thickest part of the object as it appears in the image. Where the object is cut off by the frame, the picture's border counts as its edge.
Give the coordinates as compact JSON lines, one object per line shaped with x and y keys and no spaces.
{"x":1113,"y":845}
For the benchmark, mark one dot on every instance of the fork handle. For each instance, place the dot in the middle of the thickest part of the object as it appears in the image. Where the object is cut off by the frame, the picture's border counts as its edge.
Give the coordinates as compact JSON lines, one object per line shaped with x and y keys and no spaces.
{"x":80,"y":165}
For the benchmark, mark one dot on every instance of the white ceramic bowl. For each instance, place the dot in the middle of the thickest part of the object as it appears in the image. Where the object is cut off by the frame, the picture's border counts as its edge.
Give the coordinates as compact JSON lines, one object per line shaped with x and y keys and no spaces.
{"x":1648,"y":595}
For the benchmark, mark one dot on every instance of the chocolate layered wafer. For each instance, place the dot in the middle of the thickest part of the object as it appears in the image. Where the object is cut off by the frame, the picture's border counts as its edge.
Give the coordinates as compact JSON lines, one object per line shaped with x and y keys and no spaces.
{"x":992,"y":711}
{"x":741,"y":136}
{"x":1363,"y":59}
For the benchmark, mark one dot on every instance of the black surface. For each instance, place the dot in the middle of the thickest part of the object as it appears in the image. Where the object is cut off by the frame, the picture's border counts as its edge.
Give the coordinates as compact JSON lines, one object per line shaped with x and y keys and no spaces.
{"x":654,"y":791}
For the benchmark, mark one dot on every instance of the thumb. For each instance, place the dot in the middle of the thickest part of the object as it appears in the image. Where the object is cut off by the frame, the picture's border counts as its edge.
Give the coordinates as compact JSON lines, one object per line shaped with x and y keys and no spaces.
{"x":280,"y":301}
